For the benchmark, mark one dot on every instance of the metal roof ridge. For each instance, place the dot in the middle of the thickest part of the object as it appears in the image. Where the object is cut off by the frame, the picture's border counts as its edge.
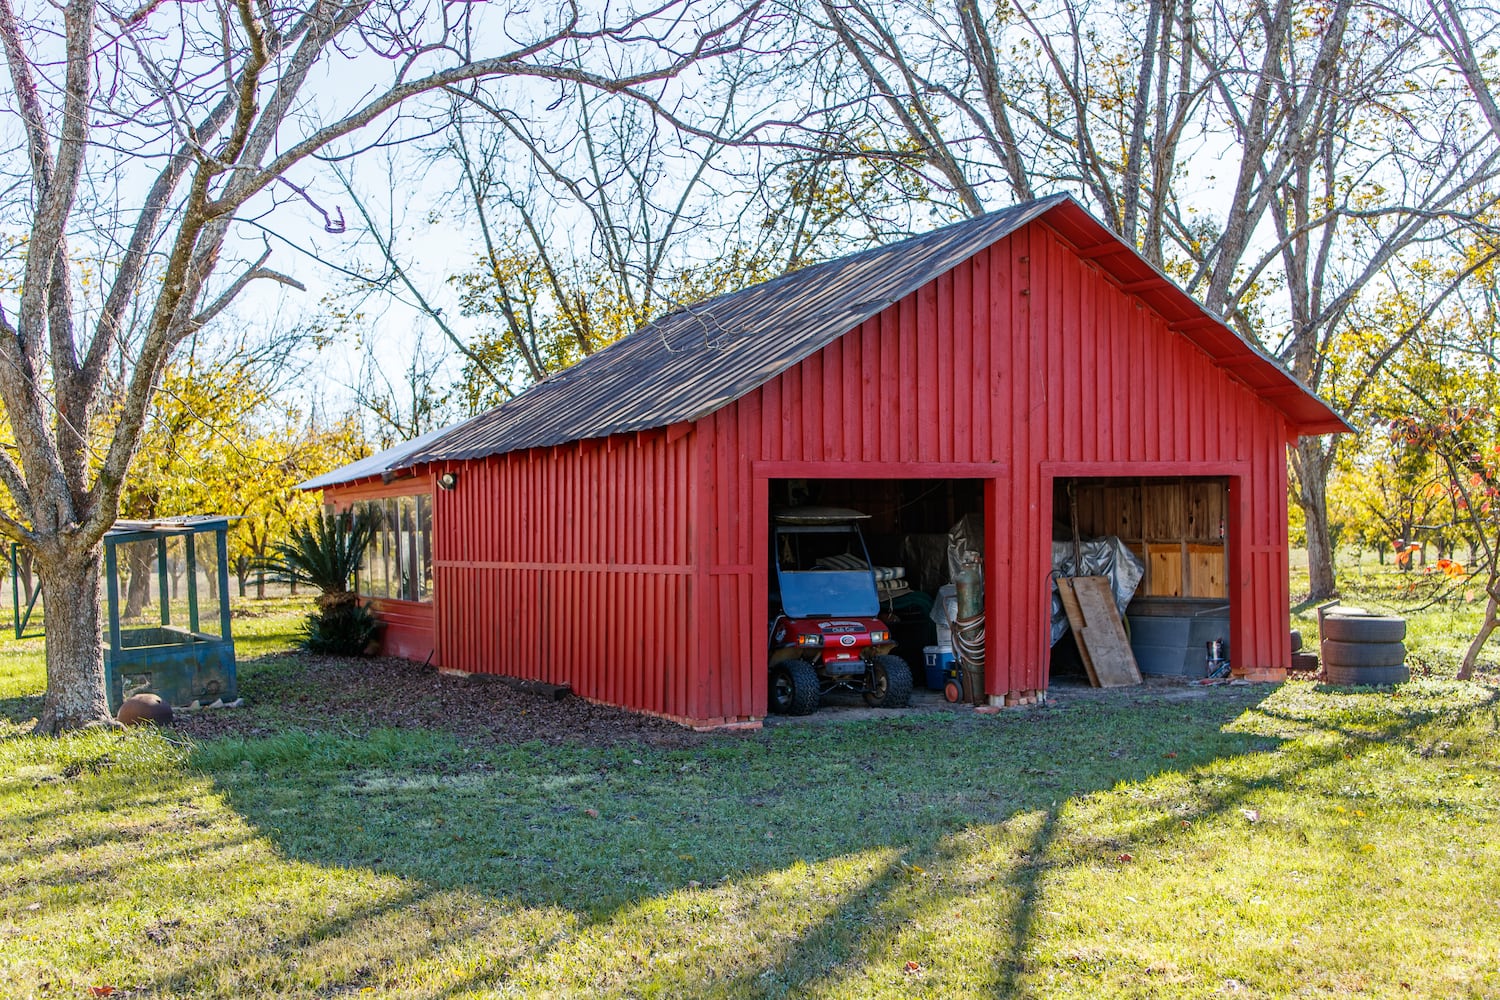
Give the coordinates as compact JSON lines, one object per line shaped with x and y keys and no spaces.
{"x":702,"y":356}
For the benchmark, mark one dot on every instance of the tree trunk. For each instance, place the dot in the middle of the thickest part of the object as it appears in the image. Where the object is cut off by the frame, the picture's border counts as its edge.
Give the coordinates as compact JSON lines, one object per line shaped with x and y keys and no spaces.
{"x":75,"y":656}
{"x":141,"y":560}
{"x":1312,"y":497}
{"x":1491,"y":619}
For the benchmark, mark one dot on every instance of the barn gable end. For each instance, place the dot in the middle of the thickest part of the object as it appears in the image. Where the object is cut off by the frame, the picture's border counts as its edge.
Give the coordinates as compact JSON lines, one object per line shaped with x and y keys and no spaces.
{"x":1023,"y":364}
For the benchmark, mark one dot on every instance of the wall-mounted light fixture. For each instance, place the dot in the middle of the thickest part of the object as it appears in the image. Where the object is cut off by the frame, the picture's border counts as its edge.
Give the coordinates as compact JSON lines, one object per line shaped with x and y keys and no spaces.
{"x":448,"y":480}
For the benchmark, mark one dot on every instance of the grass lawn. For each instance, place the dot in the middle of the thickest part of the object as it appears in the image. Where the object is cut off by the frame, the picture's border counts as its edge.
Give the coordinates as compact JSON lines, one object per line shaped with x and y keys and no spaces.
{"x":1161,"y":842}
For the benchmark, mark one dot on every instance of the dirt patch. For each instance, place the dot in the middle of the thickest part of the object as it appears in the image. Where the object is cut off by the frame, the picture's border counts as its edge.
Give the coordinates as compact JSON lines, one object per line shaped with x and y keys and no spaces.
{"x":845,"y":706}
{"x":355,"y":696}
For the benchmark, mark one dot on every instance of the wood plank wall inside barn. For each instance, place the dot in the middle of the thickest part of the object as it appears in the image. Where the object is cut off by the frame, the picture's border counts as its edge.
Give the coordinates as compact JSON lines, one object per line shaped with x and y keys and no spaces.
{"x":1176,"y":527}
{"x":1025,"y":355}
{"x":573,"y":565}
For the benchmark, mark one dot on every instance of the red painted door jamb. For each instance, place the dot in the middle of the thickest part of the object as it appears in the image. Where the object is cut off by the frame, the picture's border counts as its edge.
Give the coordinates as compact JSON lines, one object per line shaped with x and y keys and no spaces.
{"x":997,"y":680}
{"x":760,"y":585}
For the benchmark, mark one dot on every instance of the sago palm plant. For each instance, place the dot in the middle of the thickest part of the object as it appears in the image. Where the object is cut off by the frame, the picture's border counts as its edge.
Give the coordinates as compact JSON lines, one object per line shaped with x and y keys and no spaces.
{"x":325,"y":552}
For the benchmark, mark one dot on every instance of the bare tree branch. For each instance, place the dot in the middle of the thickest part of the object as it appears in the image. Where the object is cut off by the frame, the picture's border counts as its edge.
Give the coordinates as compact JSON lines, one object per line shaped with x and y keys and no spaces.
{"x":149,"y":167}
{"x":253,"y":273}
{"x":400,"y":274}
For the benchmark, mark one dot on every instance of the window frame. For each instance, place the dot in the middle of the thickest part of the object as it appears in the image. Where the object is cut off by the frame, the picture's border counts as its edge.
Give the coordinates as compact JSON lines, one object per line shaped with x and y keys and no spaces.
{"x":401,"y":548}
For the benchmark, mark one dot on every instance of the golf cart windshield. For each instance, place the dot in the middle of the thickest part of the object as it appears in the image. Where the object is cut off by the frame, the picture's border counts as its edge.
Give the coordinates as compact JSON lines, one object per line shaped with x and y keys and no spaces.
{"x":847,"y":593}
{"x":823,"y":568}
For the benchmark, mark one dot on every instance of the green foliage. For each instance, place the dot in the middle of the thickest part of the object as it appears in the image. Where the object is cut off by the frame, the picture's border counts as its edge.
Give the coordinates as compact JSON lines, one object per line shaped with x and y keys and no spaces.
{"x":342,"y":630}
{"x":1386,"y":490}
{"x":262,"y":472}
{"x":324,"y":552}
{"x":218,"y":439}
{"x":1416,"y":363}
{"x":538,"y":317}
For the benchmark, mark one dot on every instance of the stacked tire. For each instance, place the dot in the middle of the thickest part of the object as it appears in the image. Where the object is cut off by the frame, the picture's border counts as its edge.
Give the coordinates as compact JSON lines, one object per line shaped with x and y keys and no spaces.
{"x":1363,"y":648}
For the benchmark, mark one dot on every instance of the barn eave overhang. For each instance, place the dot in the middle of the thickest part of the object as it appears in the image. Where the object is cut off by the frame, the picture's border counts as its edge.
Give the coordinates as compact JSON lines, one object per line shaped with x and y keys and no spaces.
{"x":1307,"y":415}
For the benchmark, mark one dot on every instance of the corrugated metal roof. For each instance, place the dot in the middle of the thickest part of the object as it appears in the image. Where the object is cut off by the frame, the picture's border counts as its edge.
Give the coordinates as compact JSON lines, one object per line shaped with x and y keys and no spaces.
{"x":699,"y":358}
{"x":395,"y":457}
{"x":167,"y":525}
{"x":692,"y":362}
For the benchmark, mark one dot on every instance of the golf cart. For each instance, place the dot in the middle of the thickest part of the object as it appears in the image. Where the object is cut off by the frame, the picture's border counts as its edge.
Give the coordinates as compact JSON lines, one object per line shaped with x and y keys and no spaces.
{"x":825,"y":629}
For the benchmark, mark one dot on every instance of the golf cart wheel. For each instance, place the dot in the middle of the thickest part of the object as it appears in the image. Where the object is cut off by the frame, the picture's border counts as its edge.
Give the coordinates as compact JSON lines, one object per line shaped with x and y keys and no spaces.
{"x":794,"y":688}
{"x":889,"y":683}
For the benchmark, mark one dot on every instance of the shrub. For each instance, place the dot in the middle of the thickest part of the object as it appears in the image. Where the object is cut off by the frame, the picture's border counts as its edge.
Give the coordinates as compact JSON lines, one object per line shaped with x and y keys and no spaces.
{"x":343,"y":631}
{"x":325,"y":552}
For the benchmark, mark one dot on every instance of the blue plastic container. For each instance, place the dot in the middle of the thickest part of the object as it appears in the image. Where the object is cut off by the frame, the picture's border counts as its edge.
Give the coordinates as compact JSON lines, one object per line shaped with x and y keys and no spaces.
{"x":939,"y":665}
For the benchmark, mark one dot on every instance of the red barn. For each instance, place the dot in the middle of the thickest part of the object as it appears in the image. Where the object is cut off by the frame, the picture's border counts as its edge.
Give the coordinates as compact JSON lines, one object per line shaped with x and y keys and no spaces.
{"x":608,"y":528}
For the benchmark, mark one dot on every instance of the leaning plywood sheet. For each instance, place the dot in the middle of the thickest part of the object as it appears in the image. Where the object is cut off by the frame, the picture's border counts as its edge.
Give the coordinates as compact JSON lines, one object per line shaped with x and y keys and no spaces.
{"x":1075,"y":619}
{"x":1100,"y":634}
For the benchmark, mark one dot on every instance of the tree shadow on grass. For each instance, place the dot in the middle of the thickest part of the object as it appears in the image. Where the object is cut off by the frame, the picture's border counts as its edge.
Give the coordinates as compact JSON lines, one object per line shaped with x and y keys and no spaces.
{"x":1307,"y":604}
{"x":1049,"y":847}
{"x":1384,"y":721}
{"x":789,"y":861}
{"x":617,"y":837}
{"x":21,"y":711}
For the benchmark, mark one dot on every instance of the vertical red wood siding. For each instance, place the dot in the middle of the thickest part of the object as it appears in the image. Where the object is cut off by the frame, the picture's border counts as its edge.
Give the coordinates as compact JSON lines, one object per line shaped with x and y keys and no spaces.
{"x":634,"y":568}
{"x":409,"y":629}
{"x":574,"y":565}
{"x":1025,"y":359}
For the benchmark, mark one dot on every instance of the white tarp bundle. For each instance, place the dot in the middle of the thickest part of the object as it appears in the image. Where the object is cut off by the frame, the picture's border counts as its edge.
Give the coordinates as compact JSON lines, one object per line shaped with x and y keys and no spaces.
{"x":1098,"y":557}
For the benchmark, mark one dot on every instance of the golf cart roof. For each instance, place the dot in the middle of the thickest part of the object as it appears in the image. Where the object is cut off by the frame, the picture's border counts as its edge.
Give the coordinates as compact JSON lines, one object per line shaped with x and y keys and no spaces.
{"x":818,"y":515}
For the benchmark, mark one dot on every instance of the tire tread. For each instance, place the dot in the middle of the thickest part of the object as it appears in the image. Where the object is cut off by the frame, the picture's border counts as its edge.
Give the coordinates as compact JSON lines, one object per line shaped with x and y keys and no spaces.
{"x":1365,"y":676}
{"x":806,"y":693}
{"x":898,"y":684}
{"x":1363,"y":654}
{"x":1363,"y":628}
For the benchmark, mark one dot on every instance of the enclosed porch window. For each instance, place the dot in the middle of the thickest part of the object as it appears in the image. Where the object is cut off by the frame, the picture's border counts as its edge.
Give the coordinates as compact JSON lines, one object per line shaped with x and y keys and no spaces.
{"x":398,"y":562}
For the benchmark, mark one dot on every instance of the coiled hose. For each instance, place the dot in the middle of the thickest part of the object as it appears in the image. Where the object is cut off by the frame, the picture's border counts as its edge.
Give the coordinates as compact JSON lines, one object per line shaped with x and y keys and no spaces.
{"x":968,"y":639}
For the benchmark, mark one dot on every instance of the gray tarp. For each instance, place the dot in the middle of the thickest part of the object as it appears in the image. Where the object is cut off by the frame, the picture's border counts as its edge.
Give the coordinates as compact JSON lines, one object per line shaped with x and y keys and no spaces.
{"x":1100,"y":557}
{"x":965,"y":544}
